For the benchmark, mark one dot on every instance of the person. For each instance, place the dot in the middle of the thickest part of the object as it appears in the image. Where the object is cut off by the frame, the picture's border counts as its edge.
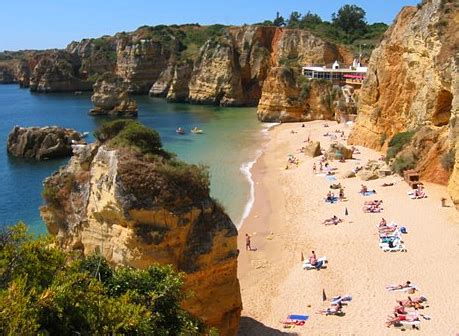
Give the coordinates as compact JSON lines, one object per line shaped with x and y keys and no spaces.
{"x":363,"y":189}
{"x":382,"y":223}
{"x":314,"y":168}
{"x":248,"y":245}
{"x":329,"y":197}
{"x":314,"y":262}
{"x":341,"y":193}
{"x":332,"y":221}
{"x":405,"y":285}
{"x":334,"y":309}
{"x":320,"y":166}
{"x":400,"y":308}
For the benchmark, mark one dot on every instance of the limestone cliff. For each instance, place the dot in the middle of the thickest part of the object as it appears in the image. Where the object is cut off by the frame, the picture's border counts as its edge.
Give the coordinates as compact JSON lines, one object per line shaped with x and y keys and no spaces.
{"x":125,"y":198}
{"x":412,"y":82}
{"x":285,"y":95}
{"x":41,"y":143}
{"x":179,"y":90}
{"x":7,"y":75}
{"x":111,"y":97}
{"x":163,"y":83}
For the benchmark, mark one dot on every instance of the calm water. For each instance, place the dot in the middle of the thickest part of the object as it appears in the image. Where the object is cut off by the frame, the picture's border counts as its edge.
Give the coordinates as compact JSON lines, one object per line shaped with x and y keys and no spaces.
{"x":230,"y":141}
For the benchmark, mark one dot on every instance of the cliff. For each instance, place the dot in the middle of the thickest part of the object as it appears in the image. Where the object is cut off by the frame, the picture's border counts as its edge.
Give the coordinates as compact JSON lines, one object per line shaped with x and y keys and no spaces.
{"x":41,"y":143}
{"x":230,"y":66}
{"x":412,"y":86}
{"x":111,"y":97}
{"x":127,"y":199}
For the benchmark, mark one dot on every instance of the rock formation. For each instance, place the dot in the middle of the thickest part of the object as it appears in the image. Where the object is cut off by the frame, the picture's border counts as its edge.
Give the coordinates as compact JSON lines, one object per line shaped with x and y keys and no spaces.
{"x":312,"y":149}
{"x":111,"y":97}
{"x":162,"y":85}
{"x":179,"y":90}
{"x":7,"y":75}
{"x":412,"y":82}
{"x":126,"y":198}
{"x":41,"y":143}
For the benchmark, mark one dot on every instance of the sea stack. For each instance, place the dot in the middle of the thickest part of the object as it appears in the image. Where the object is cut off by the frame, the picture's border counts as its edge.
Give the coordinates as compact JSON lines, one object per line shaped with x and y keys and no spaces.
{"x":42,"y":143}
{"x":127,"y":199}
{"x":111,"y":97}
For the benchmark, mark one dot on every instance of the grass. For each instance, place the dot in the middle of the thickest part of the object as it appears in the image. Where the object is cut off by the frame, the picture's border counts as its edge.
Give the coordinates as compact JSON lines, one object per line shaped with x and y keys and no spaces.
{"x":448,"y":160}
{"x":403,"y":163}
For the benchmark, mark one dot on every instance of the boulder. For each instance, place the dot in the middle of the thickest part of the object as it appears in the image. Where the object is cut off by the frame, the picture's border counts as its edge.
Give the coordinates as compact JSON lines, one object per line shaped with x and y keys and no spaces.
{"x":367,"y":175}
{"x":111,"y":98}
{"x":338,"y":151}
{"x":42,"y":143}
{"x":348,"y":174}
{"x":312,"y":149}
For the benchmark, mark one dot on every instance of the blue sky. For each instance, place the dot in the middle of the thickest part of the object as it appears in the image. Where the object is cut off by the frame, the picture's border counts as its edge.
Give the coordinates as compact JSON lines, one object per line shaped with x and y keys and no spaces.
{"x":34,"y":24}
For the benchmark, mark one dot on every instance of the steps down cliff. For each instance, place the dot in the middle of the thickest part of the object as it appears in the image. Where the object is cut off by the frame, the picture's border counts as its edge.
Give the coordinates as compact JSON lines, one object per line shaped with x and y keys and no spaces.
{"x":127,"y":199}
{"x":412,"y":85}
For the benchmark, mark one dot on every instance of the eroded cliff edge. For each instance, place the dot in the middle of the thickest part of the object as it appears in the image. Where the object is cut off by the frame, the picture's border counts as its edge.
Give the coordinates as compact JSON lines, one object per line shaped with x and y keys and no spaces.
{"x":412,"y":85}
{"x":127,"y":199}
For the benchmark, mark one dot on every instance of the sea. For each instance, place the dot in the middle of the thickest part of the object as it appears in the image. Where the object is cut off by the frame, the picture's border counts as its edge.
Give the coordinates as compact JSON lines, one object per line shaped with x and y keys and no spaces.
{"x":229,"y":146}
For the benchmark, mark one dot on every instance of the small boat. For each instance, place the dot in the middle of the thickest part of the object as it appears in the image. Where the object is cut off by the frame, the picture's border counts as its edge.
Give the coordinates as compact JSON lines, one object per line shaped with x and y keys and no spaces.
{"x":180,"y":130}
{"x":84,"y":134}
{"x":196,"y":130}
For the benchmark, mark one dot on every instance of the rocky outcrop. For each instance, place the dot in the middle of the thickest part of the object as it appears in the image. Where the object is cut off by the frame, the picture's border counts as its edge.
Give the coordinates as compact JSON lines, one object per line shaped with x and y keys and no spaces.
{"x":7,"y":75}
{"x":58,"y":73}
{"x":126,"y":199}
{"x":412,"y":85}
{"x":41,"y":143}
{"x":286,"y":96}
{"x":179,"y":90}
{"x":338,"y":151}
{"x":312,"y":149}
{"x":140,"y":62}
{"x":111,"y":97}
{"x":162,"y":85}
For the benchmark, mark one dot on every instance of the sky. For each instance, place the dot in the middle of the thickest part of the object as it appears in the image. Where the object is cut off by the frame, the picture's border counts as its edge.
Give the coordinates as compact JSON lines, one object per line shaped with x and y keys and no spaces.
{"x":33,"y":24}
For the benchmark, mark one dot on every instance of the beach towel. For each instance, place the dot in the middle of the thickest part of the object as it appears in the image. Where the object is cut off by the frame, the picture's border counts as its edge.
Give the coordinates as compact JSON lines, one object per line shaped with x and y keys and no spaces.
{"x":294,"y":319}
{"x":340,"y":299}
{"x":369,"y":193}
{"x":330,"y":178}
{"x":333,"y":200}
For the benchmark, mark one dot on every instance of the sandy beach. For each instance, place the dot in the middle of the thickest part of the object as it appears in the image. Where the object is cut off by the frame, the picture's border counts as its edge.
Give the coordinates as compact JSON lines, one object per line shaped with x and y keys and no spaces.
{"x":285,"y":223}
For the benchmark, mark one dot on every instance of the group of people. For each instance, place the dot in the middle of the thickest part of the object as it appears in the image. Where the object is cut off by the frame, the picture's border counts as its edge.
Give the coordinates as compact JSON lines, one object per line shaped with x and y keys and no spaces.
{"x":419,"y":192}
{"x":332,"y":221}
{"x":406,"y":311}
{"x":374,"y":206}
{"x":292,"y":159}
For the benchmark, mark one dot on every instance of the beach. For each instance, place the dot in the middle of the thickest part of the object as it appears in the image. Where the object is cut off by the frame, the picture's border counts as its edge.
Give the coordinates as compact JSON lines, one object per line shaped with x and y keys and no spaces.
{"x":285,"y":225}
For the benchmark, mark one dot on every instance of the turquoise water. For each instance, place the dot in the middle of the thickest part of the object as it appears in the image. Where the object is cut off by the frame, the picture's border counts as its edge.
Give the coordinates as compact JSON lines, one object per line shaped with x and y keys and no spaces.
{"x":230,"y":140}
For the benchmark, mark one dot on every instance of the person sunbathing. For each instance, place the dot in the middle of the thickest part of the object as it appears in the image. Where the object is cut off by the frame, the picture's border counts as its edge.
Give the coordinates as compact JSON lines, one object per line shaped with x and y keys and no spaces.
{"x":332,"y":221}
{"x":333,"y":310}
{"x":385,"y":184}
{"x":364,"y":189}
{"x":382,"y":223}
{"x":314,"y":262}
{"x":330,"y":197}
{"x":374,"y":202}
{"x":399,"y":309}
{"x":396,"y":319}
{"x":395,"y":287}
{"x":410,"y":303}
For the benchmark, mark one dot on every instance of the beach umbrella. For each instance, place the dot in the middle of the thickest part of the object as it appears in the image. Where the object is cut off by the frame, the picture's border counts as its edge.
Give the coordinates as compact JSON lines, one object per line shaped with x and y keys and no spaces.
{"x":302,"y":256}
{"x":324,"y":296}
{"x":346,"y":213}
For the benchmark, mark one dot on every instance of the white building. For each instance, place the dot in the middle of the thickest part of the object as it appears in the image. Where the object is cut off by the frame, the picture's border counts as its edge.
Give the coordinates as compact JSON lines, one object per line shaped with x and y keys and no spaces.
{"x":354,"y":75}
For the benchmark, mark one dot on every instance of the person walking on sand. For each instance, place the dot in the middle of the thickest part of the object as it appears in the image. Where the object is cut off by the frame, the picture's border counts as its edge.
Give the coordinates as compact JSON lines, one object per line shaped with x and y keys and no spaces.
{"x":248,"y":245}
{"x":314,"y":168}
{"x":320,"y":167}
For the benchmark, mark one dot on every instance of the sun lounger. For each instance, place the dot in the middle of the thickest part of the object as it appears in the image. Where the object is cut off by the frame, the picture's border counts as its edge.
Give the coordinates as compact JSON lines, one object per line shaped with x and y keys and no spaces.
{"x":411,"y":324}
{"x":307,"y":265}
{"x":340,"y":299}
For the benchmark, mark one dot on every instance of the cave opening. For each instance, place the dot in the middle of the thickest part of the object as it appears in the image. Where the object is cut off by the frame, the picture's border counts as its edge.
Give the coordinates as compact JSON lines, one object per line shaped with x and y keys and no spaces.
{"x":443,"y":107}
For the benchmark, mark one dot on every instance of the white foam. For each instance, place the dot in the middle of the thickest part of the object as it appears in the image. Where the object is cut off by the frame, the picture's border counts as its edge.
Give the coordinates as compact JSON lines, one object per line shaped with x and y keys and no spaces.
{"x":246,"y":169}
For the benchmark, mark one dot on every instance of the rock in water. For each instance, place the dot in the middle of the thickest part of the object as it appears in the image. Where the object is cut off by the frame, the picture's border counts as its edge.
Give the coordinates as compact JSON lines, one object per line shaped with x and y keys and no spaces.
{"x":111,"y":97}
{"x":41,"y":143}
{"x":127,"y":199}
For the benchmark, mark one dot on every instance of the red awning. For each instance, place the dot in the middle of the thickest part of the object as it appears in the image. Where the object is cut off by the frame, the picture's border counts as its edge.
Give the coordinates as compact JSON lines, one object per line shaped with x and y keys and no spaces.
{"x":354,"y":76}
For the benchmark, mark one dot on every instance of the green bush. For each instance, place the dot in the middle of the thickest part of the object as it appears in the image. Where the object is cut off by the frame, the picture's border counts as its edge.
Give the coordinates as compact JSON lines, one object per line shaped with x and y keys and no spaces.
{"x":129,"y":133}
{"x":47,"y":291}
{"x":448,"y":160}
{"x":403,"y":163}
{"x":397,"y":143}
{"x":382,"y":139}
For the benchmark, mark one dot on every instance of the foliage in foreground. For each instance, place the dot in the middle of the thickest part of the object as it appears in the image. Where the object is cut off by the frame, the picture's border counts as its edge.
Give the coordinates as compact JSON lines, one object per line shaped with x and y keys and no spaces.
{"x":398,"y":142}
{"x":46,"y":291}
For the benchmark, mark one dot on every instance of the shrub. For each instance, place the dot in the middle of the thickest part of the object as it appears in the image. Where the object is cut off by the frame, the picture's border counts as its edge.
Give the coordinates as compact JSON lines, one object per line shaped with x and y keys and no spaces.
{"x":382,"y":139}
{"x":47,"y":291}
{"x":129,"y":133}
{"x":305,"y":90}
{"x":397,"y":143}
{"x":448,"y":160}
{"x":403,"y":163}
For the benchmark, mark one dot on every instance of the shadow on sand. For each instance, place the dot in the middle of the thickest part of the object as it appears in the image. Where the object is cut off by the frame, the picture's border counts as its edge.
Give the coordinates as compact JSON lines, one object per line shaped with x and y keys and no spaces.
{"x":250,"y":327}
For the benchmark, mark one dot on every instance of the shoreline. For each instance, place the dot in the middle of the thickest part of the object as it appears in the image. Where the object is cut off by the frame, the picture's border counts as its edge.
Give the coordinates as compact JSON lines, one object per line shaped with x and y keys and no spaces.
{"x":284,"y":224}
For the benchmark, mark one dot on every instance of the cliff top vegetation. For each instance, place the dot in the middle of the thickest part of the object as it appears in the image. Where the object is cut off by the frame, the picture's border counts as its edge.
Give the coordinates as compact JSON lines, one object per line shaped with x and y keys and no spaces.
{"x":46,"y":291}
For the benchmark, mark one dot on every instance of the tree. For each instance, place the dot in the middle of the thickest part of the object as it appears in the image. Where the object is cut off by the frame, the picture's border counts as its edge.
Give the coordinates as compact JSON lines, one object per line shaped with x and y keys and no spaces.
{"x":279,"y":21}
{"x":310,"y":20}
{"x":46,"y":291}
{"x":351,"y":19}
{"x":294,"y":19}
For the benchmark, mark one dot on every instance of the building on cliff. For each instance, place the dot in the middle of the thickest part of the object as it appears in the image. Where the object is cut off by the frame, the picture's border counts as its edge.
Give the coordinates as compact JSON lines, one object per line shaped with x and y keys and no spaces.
{"x":354,"y":75}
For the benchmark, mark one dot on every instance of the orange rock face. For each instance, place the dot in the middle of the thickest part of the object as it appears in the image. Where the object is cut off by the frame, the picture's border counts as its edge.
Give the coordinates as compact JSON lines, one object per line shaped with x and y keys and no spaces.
{"x":412,"y":83}
{"x":111,"y":201}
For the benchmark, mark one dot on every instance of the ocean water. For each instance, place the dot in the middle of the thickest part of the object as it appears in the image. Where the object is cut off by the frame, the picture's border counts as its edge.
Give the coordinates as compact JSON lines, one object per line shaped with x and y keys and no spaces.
{"x":229,"y":146}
